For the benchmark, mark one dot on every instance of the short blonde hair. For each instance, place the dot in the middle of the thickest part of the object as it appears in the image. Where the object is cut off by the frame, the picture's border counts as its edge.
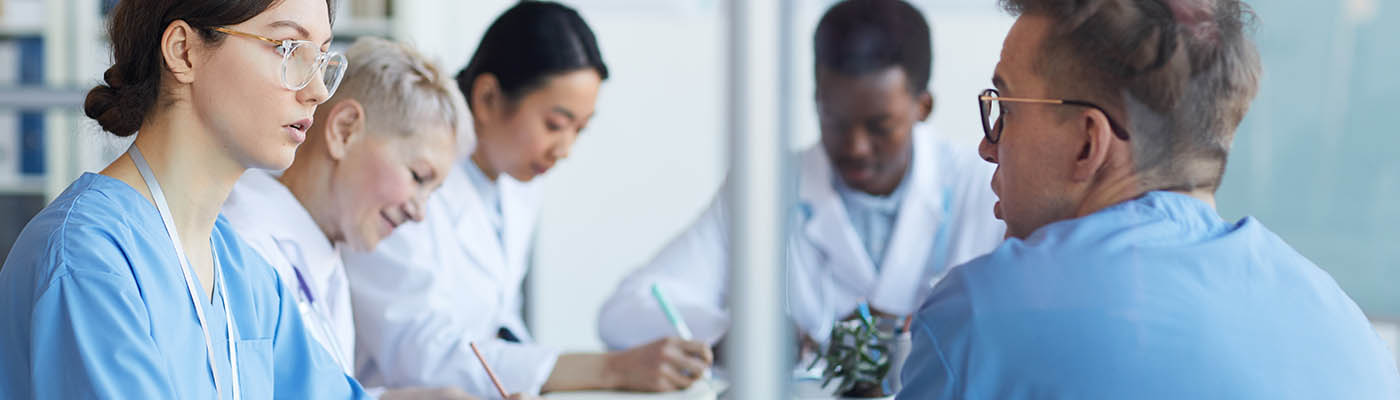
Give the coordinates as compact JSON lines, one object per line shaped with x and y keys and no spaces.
{"x":394,"y":82}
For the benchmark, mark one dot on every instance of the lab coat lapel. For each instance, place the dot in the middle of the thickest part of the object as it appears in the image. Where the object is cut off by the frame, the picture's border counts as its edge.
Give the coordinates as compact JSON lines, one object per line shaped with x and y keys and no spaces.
{"x":914,"y":234}
{"x":829,"y":229}
{"x":288,"y":223}
{"x":518,"y":211}
{"x":474,"y":231}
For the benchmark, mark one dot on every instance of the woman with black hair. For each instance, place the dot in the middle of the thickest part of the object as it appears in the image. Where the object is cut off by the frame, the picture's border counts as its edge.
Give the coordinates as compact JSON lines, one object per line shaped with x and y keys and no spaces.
{"x":431,"y":289}
{"x":131,"y":285}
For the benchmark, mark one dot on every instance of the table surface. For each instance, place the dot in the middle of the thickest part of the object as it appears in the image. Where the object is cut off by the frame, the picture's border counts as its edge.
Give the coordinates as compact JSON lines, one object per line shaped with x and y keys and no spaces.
{"x":712,"y":389}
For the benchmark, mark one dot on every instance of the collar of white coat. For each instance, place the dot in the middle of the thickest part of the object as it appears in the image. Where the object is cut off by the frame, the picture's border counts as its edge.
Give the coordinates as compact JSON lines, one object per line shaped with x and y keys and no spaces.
{"x":459,"y":203}
{"x":464,"y":202}
{"x":921,"y":213}
{"x":267,"y":207}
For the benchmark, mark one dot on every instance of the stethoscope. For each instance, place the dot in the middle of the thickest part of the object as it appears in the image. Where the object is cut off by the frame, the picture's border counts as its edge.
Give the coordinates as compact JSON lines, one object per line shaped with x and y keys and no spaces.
{"x":164,"y":208}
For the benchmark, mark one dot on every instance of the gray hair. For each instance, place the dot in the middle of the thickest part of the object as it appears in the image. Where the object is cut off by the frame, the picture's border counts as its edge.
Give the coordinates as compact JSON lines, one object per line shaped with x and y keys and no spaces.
{"x":402,"y":90}
{"x":1181,"y":72}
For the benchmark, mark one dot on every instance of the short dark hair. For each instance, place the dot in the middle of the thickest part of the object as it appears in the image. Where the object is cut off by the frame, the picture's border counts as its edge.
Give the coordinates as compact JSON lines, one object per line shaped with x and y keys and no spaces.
{"x":1182,"y":72}
{"x":529,"y":43}
{"x":132,"y":83}
{"x":856,"y":37}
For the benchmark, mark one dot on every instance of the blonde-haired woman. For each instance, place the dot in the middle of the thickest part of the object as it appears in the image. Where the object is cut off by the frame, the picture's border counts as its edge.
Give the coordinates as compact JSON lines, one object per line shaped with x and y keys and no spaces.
{"x":374,"y":153}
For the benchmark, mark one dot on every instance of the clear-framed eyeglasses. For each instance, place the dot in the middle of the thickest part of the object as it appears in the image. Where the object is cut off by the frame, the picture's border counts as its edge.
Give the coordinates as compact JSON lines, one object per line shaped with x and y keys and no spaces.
{"x":302,"y":61}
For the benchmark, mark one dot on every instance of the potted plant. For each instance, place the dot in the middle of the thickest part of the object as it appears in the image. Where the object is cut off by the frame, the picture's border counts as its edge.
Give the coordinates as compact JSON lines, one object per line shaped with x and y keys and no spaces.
{"x":858,"y":357}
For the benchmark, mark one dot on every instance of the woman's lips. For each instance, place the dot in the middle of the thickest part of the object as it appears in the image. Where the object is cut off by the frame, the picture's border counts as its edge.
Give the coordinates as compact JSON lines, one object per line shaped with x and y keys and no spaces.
{"x":297,"y":130}
{"x":388,"y":225}
{"x":296,"y":135}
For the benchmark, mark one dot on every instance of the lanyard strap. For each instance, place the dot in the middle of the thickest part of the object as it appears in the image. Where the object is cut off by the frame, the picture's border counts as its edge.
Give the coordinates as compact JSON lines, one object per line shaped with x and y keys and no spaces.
{"x":164,"y":208}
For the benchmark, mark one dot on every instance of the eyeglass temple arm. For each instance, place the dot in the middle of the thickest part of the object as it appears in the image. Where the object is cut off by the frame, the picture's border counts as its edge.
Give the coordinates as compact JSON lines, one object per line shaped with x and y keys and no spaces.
{"x":1113,"y":125}
{"x":1022,"y":100}
{"x":248,"y":35}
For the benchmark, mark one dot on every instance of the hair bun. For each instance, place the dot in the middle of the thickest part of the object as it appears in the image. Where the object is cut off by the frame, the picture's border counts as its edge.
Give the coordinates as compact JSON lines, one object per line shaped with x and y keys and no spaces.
{"x":101,"y":105}
{"x":118,"y":107}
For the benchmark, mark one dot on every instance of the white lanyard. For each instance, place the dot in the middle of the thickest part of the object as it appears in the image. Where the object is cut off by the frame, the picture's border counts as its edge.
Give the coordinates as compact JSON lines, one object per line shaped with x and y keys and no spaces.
{"x":164,"y":208}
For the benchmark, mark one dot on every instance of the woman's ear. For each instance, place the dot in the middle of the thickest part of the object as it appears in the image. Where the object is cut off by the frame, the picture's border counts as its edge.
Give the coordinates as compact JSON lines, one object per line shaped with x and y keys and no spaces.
{"x":345,"y":124}
{"x":1097,"y":136}
{"x":487,"y":98}
{"x":177,"y":48}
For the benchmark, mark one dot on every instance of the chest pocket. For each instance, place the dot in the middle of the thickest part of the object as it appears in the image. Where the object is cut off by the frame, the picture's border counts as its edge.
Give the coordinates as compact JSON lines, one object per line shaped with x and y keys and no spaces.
{"x":255,"y":368}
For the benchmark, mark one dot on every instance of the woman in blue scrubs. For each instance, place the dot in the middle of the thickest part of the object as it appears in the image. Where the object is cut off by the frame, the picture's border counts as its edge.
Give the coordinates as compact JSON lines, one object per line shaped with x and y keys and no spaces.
{"x":130,"y":285}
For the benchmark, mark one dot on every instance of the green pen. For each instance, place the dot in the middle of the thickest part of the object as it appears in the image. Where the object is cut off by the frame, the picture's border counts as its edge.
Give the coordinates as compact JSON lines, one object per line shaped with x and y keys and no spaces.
{"x":671,"y":313}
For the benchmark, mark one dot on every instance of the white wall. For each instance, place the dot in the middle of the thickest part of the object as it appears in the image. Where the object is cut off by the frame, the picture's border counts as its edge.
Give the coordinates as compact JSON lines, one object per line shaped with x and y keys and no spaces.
{"x":648,"y":164}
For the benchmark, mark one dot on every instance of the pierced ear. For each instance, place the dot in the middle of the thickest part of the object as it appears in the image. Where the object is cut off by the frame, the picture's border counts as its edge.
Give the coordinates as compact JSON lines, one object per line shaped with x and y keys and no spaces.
{"x":1097,"y":135}
{"x":346,"y":124}
{"x":926,"y":101}
{"x":176,"y":49}
{"x":486,"y":96}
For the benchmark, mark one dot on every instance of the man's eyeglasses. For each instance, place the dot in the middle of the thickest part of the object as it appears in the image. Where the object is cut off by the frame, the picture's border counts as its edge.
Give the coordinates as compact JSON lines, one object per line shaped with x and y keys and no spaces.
{"x":991,"y":113}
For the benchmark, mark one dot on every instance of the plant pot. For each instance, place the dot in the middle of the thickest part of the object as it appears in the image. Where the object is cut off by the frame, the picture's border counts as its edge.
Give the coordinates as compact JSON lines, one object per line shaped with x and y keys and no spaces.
{"x":900,"y":346}
{"x":865,"y":390}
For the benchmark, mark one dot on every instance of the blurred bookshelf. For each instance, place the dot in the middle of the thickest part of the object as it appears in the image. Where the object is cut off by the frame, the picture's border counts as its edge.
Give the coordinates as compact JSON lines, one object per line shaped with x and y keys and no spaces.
{"x":48,"y":61}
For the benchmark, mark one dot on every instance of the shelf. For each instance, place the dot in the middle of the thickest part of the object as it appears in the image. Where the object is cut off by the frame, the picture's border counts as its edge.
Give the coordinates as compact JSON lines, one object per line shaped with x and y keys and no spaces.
{"x":41,"y":97}
{"x":22,"y":186}
{"x":8,"y":31}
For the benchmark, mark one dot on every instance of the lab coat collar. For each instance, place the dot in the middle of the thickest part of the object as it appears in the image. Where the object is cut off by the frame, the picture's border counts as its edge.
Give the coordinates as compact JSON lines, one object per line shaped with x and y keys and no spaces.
{"x":920,"y":213}
{"x":468,"y":211}
{"x":289,"y":224}
{"x":472,"y":223}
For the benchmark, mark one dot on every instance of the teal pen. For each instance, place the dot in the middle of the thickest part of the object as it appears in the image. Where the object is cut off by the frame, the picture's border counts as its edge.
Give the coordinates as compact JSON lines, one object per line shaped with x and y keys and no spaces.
{"x":865,"y":315}
{"x":671,"y":313}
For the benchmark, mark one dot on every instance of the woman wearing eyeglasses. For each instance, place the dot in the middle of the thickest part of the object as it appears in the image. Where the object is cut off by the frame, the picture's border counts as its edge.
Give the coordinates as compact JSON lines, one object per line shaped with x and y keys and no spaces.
{"x":130,"y":285}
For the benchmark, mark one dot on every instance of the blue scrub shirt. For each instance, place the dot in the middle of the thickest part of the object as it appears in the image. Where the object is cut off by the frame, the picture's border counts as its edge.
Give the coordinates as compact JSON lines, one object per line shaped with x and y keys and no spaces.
{"x":96,"y":306}
{"x":1153,"y":298}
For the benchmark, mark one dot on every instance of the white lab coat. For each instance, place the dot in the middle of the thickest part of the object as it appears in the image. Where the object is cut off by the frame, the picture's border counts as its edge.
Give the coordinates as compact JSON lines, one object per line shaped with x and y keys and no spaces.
{"x":431,"y":288}
{"x":945,"y":219}
{"x":270,"y":220}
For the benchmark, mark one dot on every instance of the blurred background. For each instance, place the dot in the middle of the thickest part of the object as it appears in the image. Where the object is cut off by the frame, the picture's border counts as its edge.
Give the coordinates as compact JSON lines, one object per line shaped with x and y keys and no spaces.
{"x":1317,"y":158}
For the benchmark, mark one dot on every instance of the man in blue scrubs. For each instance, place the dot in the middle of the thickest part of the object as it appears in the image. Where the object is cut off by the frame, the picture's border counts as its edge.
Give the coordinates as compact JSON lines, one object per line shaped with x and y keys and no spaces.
{"x":1110,"y":126}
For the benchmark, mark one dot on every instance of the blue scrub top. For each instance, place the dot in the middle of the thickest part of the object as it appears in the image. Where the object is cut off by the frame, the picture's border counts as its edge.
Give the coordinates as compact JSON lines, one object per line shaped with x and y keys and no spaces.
{"x":96,"y":306}
{"x":1154,"y":298}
